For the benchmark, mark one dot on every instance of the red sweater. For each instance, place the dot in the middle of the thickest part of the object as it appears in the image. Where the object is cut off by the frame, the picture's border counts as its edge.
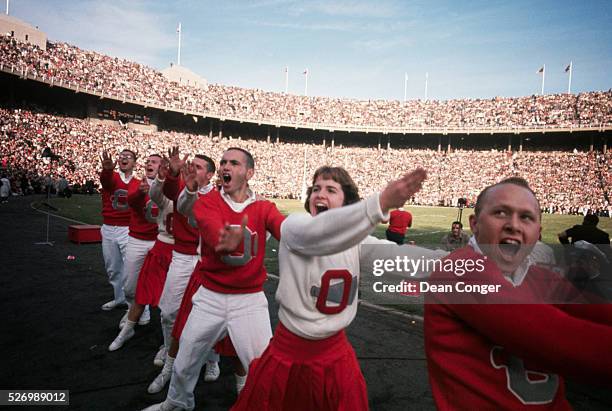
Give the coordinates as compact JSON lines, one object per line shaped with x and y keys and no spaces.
{"x":143,"y":213}
{"x":242,"y":271}
{"x":494,"y":357}
{"x":186,"y":236}
{"x":399,"y":221}
{"x":115,"y":208}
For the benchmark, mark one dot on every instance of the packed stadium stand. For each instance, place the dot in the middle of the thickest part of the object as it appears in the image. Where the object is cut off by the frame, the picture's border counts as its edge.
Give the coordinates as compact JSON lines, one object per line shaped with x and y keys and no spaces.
{"x":100,"y":102}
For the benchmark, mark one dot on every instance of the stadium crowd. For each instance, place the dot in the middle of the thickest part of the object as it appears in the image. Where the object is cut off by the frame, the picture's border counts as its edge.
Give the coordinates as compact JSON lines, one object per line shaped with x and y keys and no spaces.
{"x":565,"y":182}
{"x":68,"y":65}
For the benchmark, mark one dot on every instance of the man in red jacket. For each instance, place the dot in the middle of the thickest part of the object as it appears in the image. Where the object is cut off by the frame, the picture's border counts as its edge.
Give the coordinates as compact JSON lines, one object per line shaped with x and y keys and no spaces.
{"x":231,"y":299}
{"x":399,"y":221}
{"x":116,"y":219}
{"x":489,"y":354}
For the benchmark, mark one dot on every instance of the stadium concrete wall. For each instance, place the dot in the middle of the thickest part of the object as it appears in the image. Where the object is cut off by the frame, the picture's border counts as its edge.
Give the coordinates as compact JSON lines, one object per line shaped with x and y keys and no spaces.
{"x":22,"y":31}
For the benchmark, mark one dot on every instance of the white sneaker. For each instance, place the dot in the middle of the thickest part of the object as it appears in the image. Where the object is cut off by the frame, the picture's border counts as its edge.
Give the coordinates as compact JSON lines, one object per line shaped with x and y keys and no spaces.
{"x":125,"y":334}
{"x":212,"y":372}
{"x":159,"y":382}
{"x":145,"y":318}
{"x":160,"y":357}
{"x":112,"y":304}
{"x":123,"y":319}
{"x":163,"y":406}
{"x":240,"y":382}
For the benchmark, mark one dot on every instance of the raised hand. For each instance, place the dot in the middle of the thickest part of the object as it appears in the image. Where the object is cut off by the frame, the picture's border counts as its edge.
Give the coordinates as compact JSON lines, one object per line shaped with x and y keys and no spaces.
{"x":107,"y":162}
{"x":163,"y":171}
{"x":399,"y":191}
{"x":144,"y":185}
{"x":189,"y":175}
{"x":231,"y":237}
{"x":176,"y":163}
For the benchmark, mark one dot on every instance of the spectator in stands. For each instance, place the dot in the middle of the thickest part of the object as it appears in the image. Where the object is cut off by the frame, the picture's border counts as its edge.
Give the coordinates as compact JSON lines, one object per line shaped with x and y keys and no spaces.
{"x":456,"y":238}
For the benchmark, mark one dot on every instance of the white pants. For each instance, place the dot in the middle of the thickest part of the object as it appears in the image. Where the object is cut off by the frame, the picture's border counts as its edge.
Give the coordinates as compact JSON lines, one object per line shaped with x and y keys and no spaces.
{"x":244,"y":316}
{"x":134,"y":258}
{"x":114,"y":244}
{"x":179,"y":272}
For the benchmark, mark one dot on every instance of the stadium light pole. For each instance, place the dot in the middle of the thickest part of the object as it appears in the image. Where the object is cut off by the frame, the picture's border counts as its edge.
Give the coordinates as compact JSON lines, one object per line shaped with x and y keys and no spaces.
{"x":405,"y":85}
{"x":178,"y":30}
{"x":7,"y":7}
{"x":426,"y":81}
{"x":306,"y":82}
{"x":286,"y":79}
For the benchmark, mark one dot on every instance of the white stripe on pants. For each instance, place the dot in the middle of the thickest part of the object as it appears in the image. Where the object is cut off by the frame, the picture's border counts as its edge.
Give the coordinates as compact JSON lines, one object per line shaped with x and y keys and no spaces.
{"x":244,"y":316}
{"x":114,"y":244}
{"x":135,"y":254}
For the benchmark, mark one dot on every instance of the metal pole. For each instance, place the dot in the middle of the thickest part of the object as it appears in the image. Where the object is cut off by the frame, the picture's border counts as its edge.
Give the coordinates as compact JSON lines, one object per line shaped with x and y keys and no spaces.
{"x":569,"y":84}
{"x":178,"y":60}
{"x":543,"y":77}
{"x":286,"y":79}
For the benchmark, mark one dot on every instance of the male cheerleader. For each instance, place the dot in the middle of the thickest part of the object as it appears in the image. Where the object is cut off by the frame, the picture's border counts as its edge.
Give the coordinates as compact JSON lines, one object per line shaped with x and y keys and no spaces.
{"x":116,"y":219}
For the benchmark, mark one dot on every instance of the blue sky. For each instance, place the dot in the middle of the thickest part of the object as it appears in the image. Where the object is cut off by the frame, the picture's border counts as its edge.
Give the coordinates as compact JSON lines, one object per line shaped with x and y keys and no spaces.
{"x":352,"y":48}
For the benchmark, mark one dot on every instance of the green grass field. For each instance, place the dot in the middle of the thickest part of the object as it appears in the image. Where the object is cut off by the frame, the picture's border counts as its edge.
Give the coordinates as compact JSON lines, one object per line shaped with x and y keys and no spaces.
{"x":429,"y":225}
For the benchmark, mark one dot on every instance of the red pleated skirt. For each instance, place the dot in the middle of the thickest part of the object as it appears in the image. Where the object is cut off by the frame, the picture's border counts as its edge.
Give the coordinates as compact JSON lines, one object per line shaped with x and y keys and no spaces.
{"x":223,"y":347}
{"x":152,"y":275}
{"x":298,"y":374}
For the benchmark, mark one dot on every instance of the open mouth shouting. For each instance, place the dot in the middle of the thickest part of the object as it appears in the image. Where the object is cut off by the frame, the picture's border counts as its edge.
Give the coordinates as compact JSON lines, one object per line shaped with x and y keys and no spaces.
{"x":320,"y":207}
{"x":509,"y":247}
{"x":226,"y":177}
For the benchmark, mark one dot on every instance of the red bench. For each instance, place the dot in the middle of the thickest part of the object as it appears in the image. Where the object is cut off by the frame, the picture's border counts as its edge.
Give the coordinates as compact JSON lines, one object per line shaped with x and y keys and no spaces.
{"x":84,"y":234}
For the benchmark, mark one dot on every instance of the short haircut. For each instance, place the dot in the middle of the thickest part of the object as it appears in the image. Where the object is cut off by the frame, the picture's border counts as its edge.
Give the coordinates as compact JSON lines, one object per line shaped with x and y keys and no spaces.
{"x":340,"y":176}
{"x":210,"y":164}
{"x":127,"y":149}
{"x":590,"y":219}
{"x":457,"y":222}
{"x":250,"y":161}
{"x":517,"y":181}
{"x":155,"y":155}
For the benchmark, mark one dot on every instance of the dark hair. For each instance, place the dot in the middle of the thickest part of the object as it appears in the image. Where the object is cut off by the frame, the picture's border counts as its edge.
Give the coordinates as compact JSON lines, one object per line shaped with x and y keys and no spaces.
{"x":590,"y":219}
{"x":457,"y":222}
{"x":517,"y":181}
{"x":340,"y":176}
{"x":133,"y":153}
{"x":250,"y":162}
{"x":210,"y":164}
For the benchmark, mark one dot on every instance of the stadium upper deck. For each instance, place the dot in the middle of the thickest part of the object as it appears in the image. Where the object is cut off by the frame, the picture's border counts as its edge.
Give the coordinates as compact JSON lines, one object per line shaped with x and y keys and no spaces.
{"x":85,"y":71}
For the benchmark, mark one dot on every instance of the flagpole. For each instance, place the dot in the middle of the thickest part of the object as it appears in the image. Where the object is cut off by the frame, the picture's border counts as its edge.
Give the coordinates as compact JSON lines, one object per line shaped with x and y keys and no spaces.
{"x":286,"y":79}
{"x":178,"y":60}
{"x":7,"y":7}
{"x":543,"y":77}
{"x":405,"y":85}
{"x":426,"y":81}
{"x":306,"y":83}
{"x":569,"y":83}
